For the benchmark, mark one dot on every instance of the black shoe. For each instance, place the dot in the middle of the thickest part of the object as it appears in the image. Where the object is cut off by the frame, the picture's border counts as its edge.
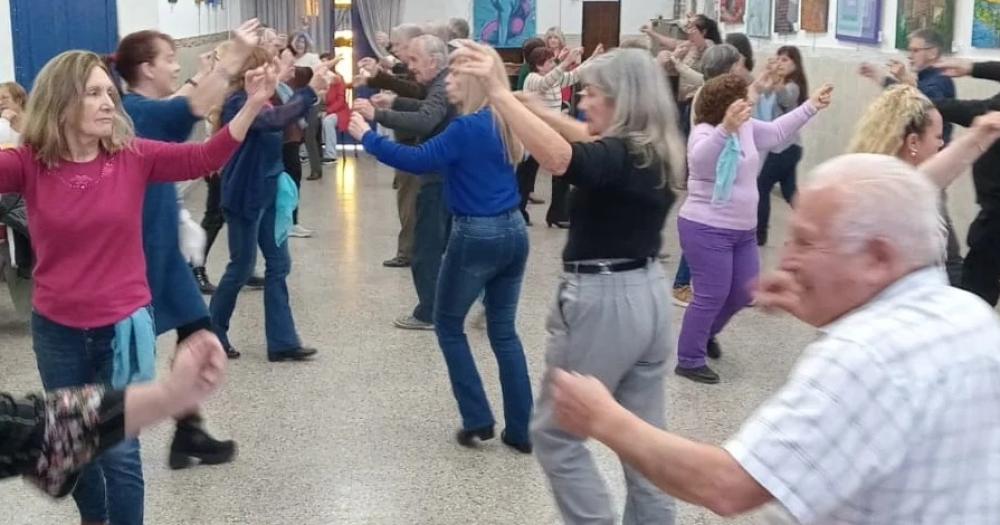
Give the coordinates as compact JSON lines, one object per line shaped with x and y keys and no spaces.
{"x":206,"y":286}
{"x":467,"y":438}
{"x":702,"y":374}
{"x":192,"y":443}
{"x":299,"y":354}
{"x":761,"y":237}
{"x":232,"y":353}
{"x":397,"y":262}
{"x":562,"y":225}
{"x":714,"y":350}
{"x":524,"y":448}
{"x":255,"y":281}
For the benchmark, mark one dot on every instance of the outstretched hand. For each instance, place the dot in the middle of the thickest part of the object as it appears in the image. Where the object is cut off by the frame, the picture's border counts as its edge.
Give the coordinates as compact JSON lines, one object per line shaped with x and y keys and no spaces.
{"x":822,"y":97}
{"x":364,"y":107}
{"x":954,"y":67}
{"x":198,"y":370}
{"x":358,"y":126}
{"x":261,"y":83}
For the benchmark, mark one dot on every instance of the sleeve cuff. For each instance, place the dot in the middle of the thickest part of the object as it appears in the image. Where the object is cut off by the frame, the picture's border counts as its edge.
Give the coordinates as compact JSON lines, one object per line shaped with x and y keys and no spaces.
{"x":774,"y":486}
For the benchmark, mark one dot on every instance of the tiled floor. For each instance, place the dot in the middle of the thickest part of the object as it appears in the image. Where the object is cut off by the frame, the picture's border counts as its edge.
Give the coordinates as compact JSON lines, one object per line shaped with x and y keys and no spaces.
{"x":363,"y":434}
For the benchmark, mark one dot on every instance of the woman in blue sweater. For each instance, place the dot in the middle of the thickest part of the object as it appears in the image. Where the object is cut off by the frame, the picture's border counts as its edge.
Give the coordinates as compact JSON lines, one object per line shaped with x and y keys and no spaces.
{"x":257,"y":201}
{"x":487,"y":250}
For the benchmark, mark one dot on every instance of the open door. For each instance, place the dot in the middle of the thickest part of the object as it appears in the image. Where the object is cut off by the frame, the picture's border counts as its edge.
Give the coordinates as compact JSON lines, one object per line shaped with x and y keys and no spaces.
{"x":601,"y":25}
{"x":44,"y":28}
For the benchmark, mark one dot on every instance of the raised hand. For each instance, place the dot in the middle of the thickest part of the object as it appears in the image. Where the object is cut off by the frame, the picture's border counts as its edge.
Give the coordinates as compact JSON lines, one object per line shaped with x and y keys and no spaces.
{"x":475,"y":60}
{"x":954,"y":67}
{"x":358,"y":126}
{"x":206,"y":63}
{"x":598,"y":51}
{"x":364,"y":107}
{"x":987,"y":127}
{"x":736,"y":115}
{"x":822,"y":97}
{"x":869,"y":70}
{"x":581,"y":402}
{"x":383,"y":100}
{"x":319,"y":81}
{"x":563,"y":54}
{"x":198,"y":370}
{"x":575,"y":56}
{"x":247,"y":36}
{"x":260,"y":83}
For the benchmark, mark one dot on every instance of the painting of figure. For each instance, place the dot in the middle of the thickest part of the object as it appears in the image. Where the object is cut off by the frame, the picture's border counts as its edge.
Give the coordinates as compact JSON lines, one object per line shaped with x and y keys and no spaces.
{"x":912,"y":15}
{"x":815,"y":15}
{"x":732,"y":11}
{"x":859,"y":20}
{"x":986,"y":24}
{"x":759,"y":18}
{"x":786,"y":16}
{"x":504,"y":24}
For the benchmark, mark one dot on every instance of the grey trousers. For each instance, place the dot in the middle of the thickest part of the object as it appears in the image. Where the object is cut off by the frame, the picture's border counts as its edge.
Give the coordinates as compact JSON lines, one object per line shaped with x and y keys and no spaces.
{"x":617,"y":328}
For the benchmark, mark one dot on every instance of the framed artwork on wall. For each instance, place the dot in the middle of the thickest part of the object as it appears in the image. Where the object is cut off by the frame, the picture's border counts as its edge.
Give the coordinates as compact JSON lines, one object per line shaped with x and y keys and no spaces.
{"x":504,"y":24}
{"x":859,"y":20}
{"x":732,"y":11}
{"x":986,"y":24}
{"x":938,"y":15}
{"x":815,"y":14}
{"x":786,"y":16}
{"x":758,"y":18}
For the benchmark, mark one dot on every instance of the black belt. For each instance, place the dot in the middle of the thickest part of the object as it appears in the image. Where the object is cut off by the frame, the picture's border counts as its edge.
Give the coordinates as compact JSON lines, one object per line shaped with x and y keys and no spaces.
{"x":605,"y":268}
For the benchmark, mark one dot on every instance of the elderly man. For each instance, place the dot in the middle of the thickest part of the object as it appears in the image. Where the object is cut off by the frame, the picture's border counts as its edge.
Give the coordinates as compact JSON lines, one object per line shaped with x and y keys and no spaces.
{"x":427,"y":59}
{"x":892,"y":417}
{"x":400,"y":81}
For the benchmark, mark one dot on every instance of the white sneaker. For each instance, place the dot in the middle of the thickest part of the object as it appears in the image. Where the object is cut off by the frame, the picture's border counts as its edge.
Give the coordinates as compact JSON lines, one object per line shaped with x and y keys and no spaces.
{"x":300,"y":232}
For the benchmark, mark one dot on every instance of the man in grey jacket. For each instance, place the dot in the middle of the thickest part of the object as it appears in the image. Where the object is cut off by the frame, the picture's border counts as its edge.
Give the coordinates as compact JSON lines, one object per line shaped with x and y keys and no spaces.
{"x":428,"y":61}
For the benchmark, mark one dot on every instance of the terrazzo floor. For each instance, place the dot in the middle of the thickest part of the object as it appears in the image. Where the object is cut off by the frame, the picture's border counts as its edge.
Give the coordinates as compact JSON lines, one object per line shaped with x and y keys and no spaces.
{"x":362,"y":435}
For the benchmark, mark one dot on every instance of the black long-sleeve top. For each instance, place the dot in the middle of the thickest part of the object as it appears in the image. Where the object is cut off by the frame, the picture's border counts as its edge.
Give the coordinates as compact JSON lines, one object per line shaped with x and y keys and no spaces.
{"x":50,"y":438}
{"x":963,"y":112}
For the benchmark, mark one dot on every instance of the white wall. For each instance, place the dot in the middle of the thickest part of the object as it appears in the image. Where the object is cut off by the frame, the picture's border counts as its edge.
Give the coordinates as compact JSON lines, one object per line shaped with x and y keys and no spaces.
{"x":6,"y":47}
{"x":567,"y":14}
{"x":187,"y":19}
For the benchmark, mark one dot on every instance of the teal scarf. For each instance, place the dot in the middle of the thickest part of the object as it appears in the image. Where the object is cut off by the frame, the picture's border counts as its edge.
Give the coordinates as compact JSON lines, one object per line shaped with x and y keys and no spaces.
{"x":134,"y":348}
{"x":285,"y":202}
{"x":726,"y":170}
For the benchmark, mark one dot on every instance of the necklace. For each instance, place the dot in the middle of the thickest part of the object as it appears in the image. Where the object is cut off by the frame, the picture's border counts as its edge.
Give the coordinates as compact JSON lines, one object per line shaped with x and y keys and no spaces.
{"x":82,"y":181}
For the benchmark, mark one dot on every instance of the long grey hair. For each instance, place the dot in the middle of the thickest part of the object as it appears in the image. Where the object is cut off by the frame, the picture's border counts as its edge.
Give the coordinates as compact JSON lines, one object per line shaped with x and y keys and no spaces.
{"x":645,"y":114}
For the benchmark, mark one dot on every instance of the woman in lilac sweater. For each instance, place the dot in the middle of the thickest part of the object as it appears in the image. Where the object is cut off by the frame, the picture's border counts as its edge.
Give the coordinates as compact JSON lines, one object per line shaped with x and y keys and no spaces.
{"x":717,"y":223}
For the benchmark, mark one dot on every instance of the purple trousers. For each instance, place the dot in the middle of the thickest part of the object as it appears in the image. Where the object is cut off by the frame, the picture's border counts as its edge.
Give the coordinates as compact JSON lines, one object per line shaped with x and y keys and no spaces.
{"x":724,"y":264}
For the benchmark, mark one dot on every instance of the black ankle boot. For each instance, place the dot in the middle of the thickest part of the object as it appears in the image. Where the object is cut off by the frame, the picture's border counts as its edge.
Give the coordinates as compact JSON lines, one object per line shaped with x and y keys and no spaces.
{"x":524,"y":448}
{"x":191,"y":443}
{"x":467,"y":438}
{"x":204,"y":284}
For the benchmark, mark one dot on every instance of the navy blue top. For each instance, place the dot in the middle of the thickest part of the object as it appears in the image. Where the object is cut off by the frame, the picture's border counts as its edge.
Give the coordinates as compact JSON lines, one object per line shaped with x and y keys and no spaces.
{"x":470,"y":152}
{"x":176,"y":298}
{"x":935,"y":86}
{"x":250,"y":178}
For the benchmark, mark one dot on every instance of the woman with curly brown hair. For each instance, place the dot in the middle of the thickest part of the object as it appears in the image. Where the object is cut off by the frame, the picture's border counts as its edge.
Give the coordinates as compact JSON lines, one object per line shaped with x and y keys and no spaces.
{"x":717,"y":223}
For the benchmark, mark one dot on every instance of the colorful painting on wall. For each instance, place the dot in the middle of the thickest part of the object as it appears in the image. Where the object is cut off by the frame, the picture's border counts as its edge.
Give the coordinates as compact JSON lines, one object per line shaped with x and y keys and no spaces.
{"x":758,"y":18}
{"x":938,"y":15}
{"x":859,"y":20}
{"x":504,"y":24}
{"x":786,"y":16}
{"x":732,"y":11}
{"x":815,"y":15}
{"x":986,"y":24}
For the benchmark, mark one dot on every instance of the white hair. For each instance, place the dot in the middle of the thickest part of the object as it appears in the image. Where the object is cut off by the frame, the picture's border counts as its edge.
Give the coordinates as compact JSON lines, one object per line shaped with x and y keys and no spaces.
{"x":883,"y":197}
{"x":406,"y":32}
{"x":439,"y":29}
{"x":433,"y":47}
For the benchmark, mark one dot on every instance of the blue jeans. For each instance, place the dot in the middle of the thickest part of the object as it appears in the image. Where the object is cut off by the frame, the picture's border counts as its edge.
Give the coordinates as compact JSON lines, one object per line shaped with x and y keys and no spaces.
{"x":244,"y":237}
{"x":111,"y":487}
{"x":430,"y":236}
{"x":485,"y":254}
{"x":683,"y":276}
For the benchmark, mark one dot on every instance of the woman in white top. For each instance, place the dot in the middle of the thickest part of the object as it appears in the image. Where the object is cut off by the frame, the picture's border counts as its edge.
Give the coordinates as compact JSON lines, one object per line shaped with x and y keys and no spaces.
{"x":547,"y":79}
{"x":302,"y":46}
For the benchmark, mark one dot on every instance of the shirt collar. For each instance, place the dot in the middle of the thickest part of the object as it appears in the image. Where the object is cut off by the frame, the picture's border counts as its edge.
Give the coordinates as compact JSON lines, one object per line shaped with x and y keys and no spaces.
{"x":928,"y":276}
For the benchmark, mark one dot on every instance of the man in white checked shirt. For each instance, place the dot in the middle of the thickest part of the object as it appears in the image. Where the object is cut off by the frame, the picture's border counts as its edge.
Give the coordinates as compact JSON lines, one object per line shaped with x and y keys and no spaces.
{"x":891,"y":417}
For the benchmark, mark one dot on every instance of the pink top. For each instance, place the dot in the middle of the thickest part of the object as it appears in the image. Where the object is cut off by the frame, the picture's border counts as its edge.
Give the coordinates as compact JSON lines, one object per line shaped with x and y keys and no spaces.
{"x":704,"y":148}
{"x":85,"y":221}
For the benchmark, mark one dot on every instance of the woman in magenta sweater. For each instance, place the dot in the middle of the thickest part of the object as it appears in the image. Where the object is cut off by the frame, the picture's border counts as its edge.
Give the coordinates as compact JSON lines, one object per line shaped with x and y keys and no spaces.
{"x":717,"y":223}
{"x":83,"y":175}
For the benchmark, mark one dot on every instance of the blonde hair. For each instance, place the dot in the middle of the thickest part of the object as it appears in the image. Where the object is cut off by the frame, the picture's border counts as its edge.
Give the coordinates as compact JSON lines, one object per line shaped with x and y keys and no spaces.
{"x":555,"y":32}
{"x":895,"y":114}
{"x":475,"y":98}
{"x":56,"y":103}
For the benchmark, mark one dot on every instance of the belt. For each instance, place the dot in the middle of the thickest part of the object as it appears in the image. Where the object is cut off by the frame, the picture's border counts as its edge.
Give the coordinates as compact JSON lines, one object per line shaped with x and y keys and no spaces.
{"x":605,"y":268}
